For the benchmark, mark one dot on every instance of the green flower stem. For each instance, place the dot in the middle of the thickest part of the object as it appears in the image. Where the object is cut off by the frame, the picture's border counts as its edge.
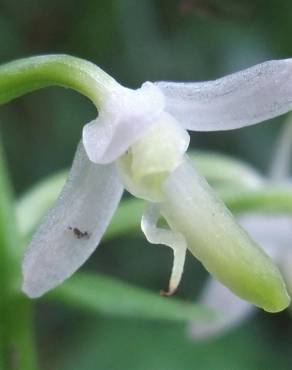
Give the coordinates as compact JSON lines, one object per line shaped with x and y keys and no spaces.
{"x":16,"y":339}
{"x":26,"y":75}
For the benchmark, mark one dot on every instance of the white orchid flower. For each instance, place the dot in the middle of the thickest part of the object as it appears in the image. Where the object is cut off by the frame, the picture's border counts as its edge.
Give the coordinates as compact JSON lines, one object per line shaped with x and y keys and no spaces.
{"x":273,"y":232}
{"x":138,"y":142}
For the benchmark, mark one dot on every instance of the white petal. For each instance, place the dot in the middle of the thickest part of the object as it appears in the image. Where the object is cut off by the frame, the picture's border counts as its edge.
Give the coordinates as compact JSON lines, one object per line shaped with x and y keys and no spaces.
{"x":231,"y":310}
{"x":73,"y":227}
{"x":125,"y":116}
{"x":272,"y":232}
{"x":285,"y":265}
{"x":281,"y":160}
{"x":240,"y":99}
{"x":174,"y":240}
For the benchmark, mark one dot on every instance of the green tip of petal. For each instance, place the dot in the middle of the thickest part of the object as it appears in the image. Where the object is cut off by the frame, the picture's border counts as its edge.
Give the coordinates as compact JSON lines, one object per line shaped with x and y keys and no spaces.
{"x":266,"y":289}
{"x":275,"y":297}
{"x":279,"y":305}
{"x":250,"y":274}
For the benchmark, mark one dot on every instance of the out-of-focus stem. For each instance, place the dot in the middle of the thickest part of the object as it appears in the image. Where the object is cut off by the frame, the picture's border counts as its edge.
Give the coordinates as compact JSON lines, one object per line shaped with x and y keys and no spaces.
{"x":16,"y":336}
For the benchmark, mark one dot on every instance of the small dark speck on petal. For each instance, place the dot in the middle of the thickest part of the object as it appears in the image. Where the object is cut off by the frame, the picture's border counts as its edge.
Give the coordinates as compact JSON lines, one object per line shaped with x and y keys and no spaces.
{"x":78,"y":233}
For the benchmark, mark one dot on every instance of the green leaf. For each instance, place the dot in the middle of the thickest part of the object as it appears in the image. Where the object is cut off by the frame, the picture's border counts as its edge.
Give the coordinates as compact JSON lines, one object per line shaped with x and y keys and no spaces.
{"x":126,"y":219}
{"x":222,"y":171}
{"x":268,"y":199}
{"x":103,"y":295}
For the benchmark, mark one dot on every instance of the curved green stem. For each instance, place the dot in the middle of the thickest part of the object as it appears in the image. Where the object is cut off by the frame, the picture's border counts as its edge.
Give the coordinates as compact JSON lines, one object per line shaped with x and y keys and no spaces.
{"x":28,"y":74}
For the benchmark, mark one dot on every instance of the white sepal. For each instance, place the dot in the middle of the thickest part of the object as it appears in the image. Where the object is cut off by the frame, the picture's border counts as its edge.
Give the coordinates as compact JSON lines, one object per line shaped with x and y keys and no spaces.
{"x":231,"y":310}
{"x":241,"y":99}
{"x":73,"y":227}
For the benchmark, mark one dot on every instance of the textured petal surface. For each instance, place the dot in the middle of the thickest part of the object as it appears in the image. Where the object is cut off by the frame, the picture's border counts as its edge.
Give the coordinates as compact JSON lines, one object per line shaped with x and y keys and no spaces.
{"x":240,"y":99}
{"x":73,"y":227}
{"x":125,"y":116}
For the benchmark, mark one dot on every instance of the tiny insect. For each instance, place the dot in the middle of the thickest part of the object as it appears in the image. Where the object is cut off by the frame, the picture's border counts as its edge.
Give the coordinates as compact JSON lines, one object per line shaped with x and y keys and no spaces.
{"x":79,"y":234}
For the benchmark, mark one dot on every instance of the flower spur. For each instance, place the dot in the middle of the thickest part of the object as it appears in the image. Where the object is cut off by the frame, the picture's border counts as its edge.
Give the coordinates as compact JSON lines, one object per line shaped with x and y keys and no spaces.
{"x":138,"y":142}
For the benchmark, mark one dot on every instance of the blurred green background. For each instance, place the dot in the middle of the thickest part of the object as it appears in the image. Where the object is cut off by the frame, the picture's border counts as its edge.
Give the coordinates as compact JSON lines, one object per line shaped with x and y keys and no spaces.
{"x":134,"y":41}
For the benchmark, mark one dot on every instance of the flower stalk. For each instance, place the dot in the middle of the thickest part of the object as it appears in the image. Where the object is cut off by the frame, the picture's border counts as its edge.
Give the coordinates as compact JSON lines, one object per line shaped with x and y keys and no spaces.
{"x":29,"y":74}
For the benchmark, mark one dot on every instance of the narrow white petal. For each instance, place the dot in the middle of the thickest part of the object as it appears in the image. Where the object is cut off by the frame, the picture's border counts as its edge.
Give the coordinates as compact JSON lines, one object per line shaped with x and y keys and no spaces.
{"x":285,"y":265}
{"x":231,"y":310}
{"x":174,"y":240}
{"x":73,"y":227}
{"x":240,"y":99}
{"x":272,"y":232}
{"x":125,"y":116}
{"x":281,"y":160}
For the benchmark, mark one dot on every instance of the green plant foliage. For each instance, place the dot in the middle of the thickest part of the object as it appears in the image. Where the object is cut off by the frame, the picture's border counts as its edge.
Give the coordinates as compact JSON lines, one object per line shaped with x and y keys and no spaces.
{"x":134,"y":41}
{"x":98,"y":294}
